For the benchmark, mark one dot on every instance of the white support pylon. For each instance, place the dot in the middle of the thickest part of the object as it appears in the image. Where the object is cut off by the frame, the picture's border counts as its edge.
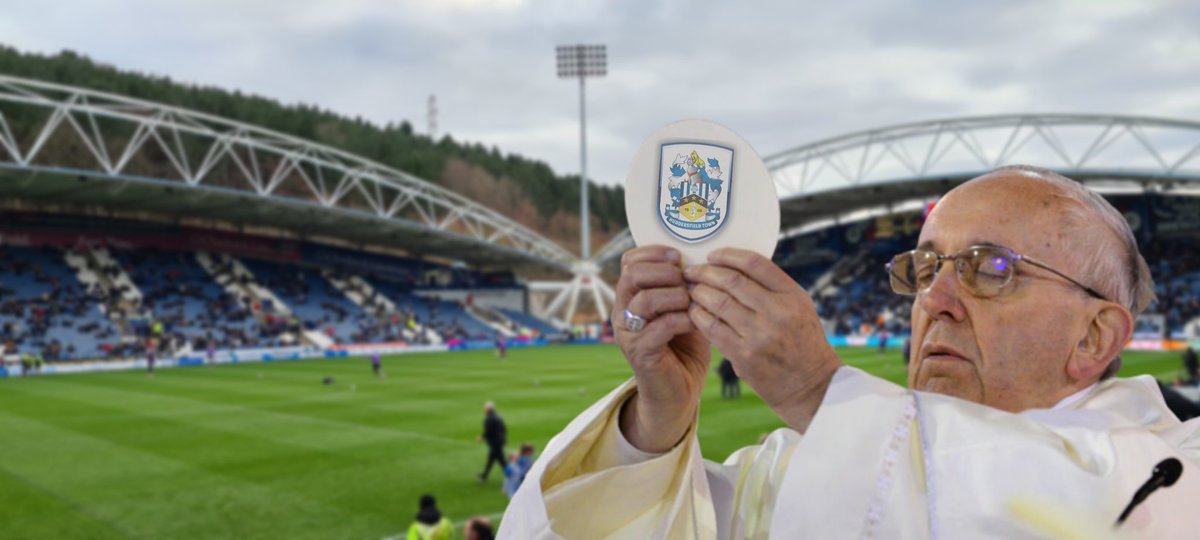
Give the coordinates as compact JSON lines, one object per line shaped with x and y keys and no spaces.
{"x":587,"y":279}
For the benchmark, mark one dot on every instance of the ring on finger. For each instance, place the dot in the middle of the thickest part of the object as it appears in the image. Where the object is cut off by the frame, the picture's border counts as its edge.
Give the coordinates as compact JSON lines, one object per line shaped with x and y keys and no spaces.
{"x":634,"y":323}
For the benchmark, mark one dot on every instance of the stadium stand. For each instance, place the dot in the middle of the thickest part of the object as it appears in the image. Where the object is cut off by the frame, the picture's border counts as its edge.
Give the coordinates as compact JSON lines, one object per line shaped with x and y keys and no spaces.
{"x":236,"y":291}
{"x":1175,"y":265}
{"x":447,"y":319}
{"x":178,"y":292}
{"x":529,"y":321}
{"x":311,"y":299}
{"x":96,"y":287}
{"x":853,"y":295}
{"x":851,"y":290}
{"x":451,"y":320}
{"x":45,"y":310}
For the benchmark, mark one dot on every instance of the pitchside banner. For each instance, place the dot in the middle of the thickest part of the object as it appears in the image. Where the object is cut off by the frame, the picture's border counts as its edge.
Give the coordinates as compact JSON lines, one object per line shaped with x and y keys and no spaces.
{"x":12,"y":367}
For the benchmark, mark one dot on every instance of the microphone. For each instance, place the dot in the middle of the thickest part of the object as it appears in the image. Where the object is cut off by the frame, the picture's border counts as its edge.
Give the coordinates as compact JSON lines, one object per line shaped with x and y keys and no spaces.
{"x":1165,"y":474}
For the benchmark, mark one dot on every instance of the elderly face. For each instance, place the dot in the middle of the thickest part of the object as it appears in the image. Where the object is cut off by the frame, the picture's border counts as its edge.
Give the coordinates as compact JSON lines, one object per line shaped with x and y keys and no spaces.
{"x":1008,"y":351}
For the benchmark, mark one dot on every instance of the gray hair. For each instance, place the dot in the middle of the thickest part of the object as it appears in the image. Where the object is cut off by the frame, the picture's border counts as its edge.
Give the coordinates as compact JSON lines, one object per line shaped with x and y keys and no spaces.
{"x":1109,"y":263}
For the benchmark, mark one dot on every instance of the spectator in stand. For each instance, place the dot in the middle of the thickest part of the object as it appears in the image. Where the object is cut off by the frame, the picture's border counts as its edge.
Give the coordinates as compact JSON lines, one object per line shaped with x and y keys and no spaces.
{"x":430,"y":524}
{"x":28,"y":364}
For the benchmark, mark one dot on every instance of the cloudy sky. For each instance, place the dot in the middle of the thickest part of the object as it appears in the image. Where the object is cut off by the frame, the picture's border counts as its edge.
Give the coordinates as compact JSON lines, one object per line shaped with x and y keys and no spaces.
{"x":780,"y":73}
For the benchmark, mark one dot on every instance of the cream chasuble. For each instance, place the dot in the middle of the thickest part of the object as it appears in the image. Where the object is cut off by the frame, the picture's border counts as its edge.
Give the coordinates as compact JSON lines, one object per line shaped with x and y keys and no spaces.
{"x":878,"y":461}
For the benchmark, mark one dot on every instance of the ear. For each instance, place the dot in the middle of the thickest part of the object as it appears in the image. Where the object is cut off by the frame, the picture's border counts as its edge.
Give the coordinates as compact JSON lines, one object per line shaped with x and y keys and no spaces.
{"x":1108,"y":331}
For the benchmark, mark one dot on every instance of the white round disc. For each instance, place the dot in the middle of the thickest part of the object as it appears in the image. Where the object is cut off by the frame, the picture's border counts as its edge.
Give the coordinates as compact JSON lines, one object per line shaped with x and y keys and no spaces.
{"x":697,"y":186}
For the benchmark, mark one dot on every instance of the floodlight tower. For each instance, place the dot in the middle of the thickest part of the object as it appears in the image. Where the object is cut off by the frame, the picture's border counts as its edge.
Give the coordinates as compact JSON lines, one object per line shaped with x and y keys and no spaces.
{"x":582,"y":61}
{"x":431,"y":114}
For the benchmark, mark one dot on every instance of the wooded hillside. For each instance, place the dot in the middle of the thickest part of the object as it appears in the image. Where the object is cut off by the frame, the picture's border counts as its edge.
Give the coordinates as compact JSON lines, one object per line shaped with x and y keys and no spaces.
{"x":524,"y":189}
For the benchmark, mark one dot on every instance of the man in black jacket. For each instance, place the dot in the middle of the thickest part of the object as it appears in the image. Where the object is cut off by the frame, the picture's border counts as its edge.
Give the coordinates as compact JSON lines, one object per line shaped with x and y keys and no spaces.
{"x":1192,"y":365}
{"x":730,"y":387}
{"x":495,"y":434}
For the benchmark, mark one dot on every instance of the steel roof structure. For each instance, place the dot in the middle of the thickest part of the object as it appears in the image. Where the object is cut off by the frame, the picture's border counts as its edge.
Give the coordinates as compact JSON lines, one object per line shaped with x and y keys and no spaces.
{"x":99,"y":149}
{"x":873,"y":171}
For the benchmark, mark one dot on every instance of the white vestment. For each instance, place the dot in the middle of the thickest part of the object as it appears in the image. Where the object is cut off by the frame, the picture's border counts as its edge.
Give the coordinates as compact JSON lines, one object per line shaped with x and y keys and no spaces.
{"x":878,"y":461}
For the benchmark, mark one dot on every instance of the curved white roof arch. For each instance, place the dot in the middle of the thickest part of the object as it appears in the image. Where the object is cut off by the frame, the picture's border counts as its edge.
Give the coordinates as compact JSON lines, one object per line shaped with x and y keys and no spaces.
{"x":877,"y":169}
{"x":146,"y":153}
{"x":832,"y":177}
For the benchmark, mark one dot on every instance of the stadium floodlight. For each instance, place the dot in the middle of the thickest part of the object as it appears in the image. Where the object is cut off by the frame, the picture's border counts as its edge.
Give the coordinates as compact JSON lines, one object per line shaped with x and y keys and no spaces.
{"x":582,"y":61}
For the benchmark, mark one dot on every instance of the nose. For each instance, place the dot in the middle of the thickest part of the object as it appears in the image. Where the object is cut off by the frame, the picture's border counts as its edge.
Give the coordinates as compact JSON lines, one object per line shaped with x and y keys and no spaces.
{"x":942,"y":300}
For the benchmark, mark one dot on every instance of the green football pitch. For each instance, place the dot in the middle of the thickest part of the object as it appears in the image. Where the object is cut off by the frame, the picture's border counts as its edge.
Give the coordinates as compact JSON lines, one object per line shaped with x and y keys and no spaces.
{"x":268,"y":451}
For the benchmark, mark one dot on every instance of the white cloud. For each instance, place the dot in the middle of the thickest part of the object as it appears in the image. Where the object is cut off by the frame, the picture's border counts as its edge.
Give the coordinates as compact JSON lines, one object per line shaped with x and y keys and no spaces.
{"x":780,"y":73}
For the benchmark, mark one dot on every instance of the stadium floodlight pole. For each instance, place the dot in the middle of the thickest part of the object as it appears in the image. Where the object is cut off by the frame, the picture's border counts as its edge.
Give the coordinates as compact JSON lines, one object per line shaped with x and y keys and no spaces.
{"x":582,"y":61}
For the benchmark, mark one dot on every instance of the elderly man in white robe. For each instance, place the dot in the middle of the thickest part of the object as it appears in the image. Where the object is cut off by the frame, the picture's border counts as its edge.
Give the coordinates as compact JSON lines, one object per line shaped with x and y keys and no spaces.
{"x":1025,"y":287}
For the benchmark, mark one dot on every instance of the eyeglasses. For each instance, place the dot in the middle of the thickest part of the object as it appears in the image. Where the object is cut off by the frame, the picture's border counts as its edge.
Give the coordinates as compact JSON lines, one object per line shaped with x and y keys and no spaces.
{"x":982,"y":270}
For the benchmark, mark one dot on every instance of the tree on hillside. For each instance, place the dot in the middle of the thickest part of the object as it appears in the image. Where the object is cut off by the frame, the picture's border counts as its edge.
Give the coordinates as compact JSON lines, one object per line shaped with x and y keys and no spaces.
{"x":526,"y":190}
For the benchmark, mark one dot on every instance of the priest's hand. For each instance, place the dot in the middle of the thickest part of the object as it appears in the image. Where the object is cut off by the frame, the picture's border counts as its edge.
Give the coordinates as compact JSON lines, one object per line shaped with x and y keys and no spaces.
{"x":669,"y":356}
{"x":767,"y":326}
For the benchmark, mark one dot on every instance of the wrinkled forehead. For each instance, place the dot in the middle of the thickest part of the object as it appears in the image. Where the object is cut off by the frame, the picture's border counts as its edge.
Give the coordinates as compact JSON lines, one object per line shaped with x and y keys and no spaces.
{"x":1009,"y":209}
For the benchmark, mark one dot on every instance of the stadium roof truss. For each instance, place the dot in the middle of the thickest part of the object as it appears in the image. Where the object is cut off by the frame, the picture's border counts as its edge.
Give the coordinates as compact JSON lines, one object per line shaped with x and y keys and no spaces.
{"x":924,"y":159}
{"x":871,"y":172}
{"x":153,"y":157}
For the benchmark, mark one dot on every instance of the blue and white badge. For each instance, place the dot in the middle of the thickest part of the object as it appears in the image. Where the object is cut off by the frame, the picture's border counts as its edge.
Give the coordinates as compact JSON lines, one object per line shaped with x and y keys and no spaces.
{"x":679,"y":192}
{"x":694,"y":183}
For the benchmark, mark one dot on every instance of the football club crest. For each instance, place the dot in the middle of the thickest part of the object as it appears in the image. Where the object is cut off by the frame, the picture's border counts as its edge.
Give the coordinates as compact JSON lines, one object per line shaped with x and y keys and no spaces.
{"x":679,"y":192}
{"x":694,"y":183}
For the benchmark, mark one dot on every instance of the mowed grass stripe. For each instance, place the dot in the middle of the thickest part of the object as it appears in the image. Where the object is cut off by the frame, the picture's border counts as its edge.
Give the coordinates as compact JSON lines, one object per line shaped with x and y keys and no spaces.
{"x":278,"y":421}
{"x":145,"y":492}
{"x":228,"y":452}
{"x":218,"y":452}
{"x":265,"y":393}
{"x":24,"y":499}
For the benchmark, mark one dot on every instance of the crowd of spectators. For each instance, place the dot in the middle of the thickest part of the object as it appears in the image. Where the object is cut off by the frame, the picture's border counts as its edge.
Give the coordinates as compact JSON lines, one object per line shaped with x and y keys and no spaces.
{"x":1175,"y":265}
{"x":407,"y":325}
{"x":315,"y":304}
{"x":856,"y":301}
{"x":405,"y":322}
{"x":28,"y":320}
{"x":171,"y":282}
{"x":859,"y":301}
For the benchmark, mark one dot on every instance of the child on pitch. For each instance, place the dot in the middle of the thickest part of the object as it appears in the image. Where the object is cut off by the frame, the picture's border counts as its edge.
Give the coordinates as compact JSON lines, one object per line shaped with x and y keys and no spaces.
{"x":516,"y":469}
